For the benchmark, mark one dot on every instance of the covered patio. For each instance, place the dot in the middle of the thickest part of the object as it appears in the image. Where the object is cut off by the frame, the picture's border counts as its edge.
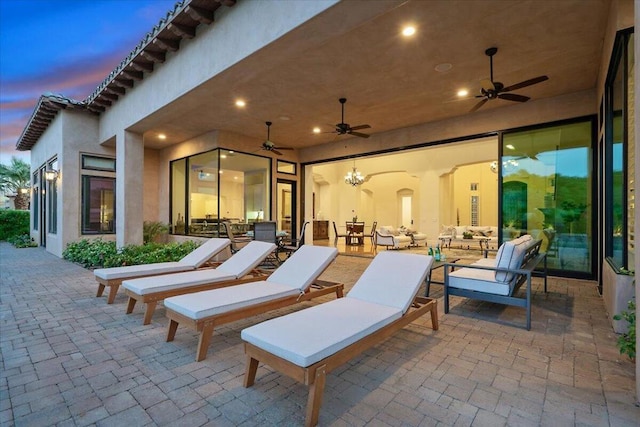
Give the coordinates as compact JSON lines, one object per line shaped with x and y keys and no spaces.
{"x":68,"y":358}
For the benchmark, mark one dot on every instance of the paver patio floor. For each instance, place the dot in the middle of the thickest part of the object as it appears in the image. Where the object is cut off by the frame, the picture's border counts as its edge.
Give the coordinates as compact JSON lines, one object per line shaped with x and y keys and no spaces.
{"x":67,"y":358}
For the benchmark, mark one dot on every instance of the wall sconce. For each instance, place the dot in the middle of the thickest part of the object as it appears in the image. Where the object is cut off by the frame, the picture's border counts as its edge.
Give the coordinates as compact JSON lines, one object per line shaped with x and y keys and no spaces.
{"x":51,"y":174}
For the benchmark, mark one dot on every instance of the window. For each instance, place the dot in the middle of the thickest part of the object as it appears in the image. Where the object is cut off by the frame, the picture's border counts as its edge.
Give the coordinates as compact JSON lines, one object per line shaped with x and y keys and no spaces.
{"x":286,"y":167}
{"x":52,"y":199}
{"x":219,"y":185}
{"x":619,"y":154}
{"x":35,"y":197}
{"x":547,"y":192}
{"x":475,"y":201}
{"x":98,"y":195}
{"x":98,"y":205}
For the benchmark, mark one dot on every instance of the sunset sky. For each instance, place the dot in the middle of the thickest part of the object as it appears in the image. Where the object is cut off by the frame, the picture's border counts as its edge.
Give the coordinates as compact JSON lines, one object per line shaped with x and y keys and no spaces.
{"x":63,"y":46}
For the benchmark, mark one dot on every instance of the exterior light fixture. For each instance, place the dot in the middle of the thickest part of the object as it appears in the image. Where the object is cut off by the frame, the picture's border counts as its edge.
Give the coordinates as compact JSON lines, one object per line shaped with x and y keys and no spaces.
{"x":24,"y":190}
{"x":354,"y":178}
{"x":51,"y":174}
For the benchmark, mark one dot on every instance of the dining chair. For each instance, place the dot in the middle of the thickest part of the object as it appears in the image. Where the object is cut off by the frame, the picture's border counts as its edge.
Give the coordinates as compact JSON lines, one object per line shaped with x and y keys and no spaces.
{"x":372,"y":235}
{"x":292,"y":245}
{"x":266,"y":232}
{"x":338,"y":235}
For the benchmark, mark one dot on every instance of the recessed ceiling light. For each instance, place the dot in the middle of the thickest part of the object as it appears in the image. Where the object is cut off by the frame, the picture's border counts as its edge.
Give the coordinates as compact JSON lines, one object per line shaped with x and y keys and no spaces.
{"x":441,"y":68}
{"x":285,"y":118}
{"x":408,"y":31}
{"x":162,"y":136}
{"x":463,"y":92}
{"x":316,"y":130}
{"x":240,"y":103}
{"x":223,"y":156}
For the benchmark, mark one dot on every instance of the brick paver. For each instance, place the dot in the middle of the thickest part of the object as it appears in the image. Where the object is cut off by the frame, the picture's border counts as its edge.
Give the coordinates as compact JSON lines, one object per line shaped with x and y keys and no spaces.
{"x":68,"y":358}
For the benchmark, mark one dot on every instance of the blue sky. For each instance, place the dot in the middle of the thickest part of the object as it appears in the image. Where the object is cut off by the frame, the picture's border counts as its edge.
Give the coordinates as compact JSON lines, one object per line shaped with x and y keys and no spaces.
{"x":63,"y":46}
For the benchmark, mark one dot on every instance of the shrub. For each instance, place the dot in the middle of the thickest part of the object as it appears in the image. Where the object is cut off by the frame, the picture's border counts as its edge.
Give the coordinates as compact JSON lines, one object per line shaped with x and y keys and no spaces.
{"x":13,"y":223}
{"x":627,"y":341}
{"x":22,"y":241}
{"x":153,"y":229}
{"x":98,"y":253}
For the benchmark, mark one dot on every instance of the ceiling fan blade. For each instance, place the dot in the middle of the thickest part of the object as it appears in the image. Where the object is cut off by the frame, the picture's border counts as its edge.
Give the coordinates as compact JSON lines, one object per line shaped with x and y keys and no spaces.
{"x":525,"y":83}
{"x":360,"y":127}
{"x":478,"y":105}
{"x":283,"y":148}
{"x":487,"y":84}
{"x":361,"y":135}
{"x":273,"y":150}
{"x":513,"y":97}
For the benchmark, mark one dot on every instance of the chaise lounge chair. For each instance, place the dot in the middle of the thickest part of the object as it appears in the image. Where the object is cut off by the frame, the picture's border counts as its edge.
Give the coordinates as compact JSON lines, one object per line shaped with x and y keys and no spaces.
{"x":307,"y":344}
{"x":294,"y":281}
{"x":114,"y":276}
{"x":234,"y":271}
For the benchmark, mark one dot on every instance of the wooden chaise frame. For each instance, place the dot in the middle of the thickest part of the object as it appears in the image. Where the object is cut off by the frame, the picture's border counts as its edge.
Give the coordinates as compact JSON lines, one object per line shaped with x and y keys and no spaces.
{"x":314,"y":376}
{"x":151,"y":299}
{"x":206,"y":325}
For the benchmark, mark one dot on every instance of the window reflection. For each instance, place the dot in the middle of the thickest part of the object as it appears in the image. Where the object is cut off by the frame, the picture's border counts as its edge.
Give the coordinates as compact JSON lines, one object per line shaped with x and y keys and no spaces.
{"x":222,"y":186}
{"x":547,"y":192}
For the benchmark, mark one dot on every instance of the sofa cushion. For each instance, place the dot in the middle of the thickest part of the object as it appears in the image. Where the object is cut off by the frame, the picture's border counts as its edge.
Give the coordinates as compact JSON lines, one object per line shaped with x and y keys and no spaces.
{"x":475,"y":279}
{"x":510,"y":256}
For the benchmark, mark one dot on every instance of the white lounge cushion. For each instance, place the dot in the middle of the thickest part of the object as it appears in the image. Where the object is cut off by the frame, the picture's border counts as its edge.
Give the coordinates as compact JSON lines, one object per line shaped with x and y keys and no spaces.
{"x":304,"y":266}
{"x":392,"y":279}
{"x":476,"y":279}
{"x":308,"y":336}
{"x":192,"y":261}
{"x":247,"y":258}
{"x":235,"y":267}
{"x":293,"y":277}
{"x":166,"y":282}
{"x":205,"y":252}
{"x":209,"y":303}
{"x":140,"y":270}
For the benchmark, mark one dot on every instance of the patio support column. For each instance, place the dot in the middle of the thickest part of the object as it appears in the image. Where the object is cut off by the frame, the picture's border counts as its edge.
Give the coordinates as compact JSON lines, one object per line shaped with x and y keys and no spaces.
{"x":129,"y":185}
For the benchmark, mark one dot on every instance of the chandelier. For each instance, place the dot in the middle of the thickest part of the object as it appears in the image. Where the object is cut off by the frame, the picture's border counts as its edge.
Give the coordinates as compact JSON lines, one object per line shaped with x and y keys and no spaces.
{"x":354,"y":177}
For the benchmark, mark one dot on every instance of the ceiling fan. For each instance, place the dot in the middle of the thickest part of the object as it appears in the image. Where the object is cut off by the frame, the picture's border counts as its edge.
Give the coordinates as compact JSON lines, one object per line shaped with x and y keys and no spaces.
{"x":343,"y":128}
{"x":492,"y":89}
{"x":268,"y":145}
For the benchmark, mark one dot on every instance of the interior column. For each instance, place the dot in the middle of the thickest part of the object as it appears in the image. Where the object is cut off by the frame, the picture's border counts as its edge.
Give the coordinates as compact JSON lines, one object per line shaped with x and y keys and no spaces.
{"x":129,"y":183}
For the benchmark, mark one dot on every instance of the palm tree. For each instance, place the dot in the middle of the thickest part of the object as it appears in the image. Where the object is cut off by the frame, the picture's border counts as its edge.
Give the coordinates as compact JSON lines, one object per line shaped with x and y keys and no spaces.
{"x":15,"y":178}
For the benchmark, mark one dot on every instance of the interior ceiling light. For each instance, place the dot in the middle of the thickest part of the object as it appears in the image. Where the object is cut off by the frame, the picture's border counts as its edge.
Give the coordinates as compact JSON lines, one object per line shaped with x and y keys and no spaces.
{"x":510,"y":147}
{"x":162,"y":136}
{"x":354,"y":178}
{"x":223,"y":156}
{"x":408,"y":31}
{"x":240,"y":103}
{"x":444,"y":67}
{"x":463,"y":93}
{"x":316,"y":130}
{"x":285,"y":118}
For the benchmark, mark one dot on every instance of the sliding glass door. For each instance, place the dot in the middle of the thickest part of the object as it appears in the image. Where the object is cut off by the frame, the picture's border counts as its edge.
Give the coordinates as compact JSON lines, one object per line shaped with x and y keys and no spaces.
{"x":547,"y":191}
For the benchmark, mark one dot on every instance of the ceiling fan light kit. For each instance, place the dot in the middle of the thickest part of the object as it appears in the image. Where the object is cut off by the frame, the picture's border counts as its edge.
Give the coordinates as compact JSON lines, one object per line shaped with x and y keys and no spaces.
{"x":494,"y":90}
{"x":270,"y":146}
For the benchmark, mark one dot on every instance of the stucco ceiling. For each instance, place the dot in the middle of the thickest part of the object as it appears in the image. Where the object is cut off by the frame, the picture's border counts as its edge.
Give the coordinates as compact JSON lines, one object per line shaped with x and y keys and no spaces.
{"x":355,"y":50}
